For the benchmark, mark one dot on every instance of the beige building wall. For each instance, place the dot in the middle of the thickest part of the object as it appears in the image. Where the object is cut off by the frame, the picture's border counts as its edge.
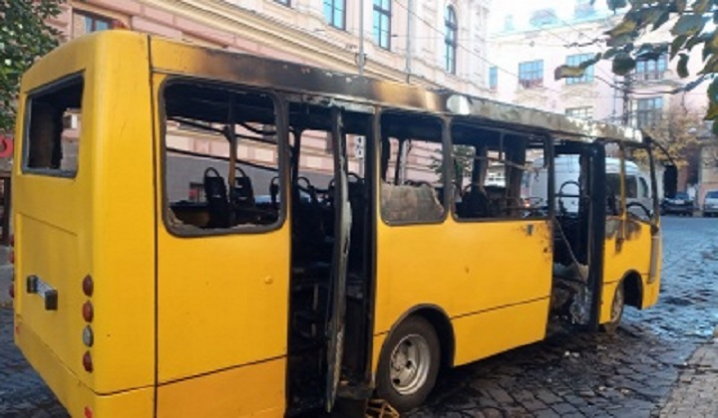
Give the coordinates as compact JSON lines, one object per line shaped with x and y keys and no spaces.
{"x":298,"y":31}
{"x":551,"y":32}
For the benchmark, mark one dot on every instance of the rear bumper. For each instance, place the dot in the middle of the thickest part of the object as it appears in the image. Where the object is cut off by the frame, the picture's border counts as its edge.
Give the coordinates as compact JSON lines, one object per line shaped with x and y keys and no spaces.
{"x":710,"y":210}
{"x":74,"y":395}
{"x":678,"y":209}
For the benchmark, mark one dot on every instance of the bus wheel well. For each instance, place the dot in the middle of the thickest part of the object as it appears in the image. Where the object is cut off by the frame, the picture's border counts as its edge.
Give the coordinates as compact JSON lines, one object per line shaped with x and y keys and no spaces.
{"x":633,"y":288}
{"x":444,"y":330}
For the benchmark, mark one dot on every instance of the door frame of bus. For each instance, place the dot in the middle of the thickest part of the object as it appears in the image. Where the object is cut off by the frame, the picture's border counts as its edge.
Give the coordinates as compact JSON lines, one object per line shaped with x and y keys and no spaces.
{"x":596,"y":154}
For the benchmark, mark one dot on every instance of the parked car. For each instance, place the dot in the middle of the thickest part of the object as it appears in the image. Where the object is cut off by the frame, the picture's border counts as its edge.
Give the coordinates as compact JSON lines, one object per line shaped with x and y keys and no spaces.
{"x":710,"y":203}
{"x":680,"y":204}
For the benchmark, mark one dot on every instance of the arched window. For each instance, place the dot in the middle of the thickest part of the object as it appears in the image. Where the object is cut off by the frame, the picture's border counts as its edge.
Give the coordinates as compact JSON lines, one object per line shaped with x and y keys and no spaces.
{"x":450,"y":41}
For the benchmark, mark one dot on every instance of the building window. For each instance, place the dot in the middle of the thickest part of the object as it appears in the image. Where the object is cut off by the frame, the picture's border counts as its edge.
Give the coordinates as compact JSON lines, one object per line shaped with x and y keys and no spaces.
{"x":509,"y":23}
{"x":651,"y":69}
{"x":335,"y":13}
{"x":382,"y":23}
{"x":531,"y":74}
{"x":580,"y":112}
{"x":648,"y":111}
{"x":576,"y":60}
{"x":284,"y":2}
{"x":451,"y":28}
{"x":543,"y":17}
{"x":85,"y":23}
{"x":583,"y":9}
{"x":493,"y":78}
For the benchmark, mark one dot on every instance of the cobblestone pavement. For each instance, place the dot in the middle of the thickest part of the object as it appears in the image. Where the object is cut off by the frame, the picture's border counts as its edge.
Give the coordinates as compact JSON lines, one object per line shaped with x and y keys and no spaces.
{"x":661,"y":361}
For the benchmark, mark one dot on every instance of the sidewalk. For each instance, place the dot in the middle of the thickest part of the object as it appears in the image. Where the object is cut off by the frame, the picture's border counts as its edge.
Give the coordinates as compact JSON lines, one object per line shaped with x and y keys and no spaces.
{"x":696,"y":392}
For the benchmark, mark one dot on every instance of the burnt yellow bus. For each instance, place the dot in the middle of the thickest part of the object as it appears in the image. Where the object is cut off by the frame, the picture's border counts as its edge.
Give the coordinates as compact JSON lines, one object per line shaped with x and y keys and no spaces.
{"x":204,"y":233}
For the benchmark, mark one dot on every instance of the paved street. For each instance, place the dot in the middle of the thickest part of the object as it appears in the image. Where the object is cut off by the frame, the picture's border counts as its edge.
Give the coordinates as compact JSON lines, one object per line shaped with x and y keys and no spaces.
{"x":661,"y":362}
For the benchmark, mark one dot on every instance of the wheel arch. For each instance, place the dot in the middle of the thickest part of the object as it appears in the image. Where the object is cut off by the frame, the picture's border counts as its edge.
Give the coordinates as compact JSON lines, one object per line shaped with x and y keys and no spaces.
{"x":633,"y":288}
{"x":438,"y":319}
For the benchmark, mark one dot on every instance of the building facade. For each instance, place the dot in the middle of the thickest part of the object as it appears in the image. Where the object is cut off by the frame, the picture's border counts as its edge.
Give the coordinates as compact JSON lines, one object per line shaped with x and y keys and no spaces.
{"x":527,"y":46}
{"x":438,"y":45}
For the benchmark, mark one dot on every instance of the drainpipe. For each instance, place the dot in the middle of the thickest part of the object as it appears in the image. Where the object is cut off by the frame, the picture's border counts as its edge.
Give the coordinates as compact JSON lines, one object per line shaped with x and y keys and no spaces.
{"x":361,"y":37}
{"x":409,"y":21}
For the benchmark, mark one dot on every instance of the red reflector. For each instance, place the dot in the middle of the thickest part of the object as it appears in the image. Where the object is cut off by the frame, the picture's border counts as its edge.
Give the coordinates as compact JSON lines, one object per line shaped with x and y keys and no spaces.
{"x":11,"y":291}
{"x":87,"y":362}
{"x":12,"y":240}
{"x":87,"y":311}
{"x":11,"y":257}
{"x":88,"y":412}
{"x":87,"y":285}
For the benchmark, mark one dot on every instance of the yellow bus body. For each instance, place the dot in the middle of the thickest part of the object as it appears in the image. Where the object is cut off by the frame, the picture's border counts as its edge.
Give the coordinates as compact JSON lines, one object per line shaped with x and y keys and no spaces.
{"x":172,"y":317}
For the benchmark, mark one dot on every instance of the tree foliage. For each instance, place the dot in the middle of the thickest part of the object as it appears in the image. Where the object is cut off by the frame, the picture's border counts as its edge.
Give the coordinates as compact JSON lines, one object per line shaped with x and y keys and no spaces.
{"x":24,"y":36}
{"x":689,"y":28}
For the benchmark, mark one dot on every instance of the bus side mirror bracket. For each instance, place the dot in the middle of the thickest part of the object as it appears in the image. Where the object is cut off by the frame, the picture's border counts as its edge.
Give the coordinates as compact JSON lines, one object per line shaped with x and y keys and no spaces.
{"x":670,"y":181}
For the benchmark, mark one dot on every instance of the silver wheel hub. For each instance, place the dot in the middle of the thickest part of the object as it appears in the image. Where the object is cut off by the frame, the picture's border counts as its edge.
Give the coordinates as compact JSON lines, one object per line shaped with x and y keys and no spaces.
{"x":410,"y":363}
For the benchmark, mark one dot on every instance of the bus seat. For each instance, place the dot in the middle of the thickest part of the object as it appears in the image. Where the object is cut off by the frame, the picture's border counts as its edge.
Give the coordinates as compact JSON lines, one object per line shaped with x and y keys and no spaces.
{"x":410,"y":203}
{"x":218,"y":205}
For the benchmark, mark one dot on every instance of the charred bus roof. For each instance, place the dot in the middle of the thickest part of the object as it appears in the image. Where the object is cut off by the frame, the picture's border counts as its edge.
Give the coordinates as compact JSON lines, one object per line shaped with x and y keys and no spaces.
{"x":321,"y":86}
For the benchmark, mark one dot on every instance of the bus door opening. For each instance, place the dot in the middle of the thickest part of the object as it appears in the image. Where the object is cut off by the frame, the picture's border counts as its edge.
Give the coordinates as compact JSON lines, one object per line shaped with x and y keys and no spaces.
{"x":580,"y":209}
{"x":330,"y":300}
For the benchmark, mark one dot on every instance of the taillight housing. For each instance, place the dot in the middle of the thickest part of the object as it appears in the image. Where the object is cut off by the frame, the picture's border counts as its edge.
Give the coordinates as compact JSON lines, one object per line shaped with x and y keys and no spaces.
{"x":88,"y":312}
{"x":88,"y":286}
{"x":87,"y":362}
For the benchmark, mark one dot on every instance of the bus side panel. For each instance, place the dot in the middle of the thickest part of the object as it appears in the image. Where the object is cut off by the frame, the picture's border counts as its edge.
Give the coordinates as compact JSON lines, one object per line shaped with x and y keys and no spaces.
{"x":223,"y":304}
{"x":466,"y":269}
{"x":485,"y":334}
{"x":254,"y":390}
{"x":98,"y":223}
{"x":123,"y":237}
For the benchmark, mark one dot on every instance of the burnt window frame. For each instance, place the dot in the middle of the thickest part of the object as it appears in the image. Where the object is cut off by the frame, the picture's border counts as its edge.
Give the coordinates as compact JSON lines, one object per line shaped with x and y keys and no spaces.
{"x":54,"y":86}
{"x":548,"y":158}
{"x":445,"y":155}
{"x":282,"y":157}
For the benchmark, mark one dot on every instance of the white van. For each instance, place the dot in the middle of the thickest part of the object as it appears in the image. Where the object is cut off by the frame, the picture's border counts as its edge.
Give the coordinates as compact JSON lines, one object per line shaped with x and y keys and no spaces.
{"x":567,"y":171}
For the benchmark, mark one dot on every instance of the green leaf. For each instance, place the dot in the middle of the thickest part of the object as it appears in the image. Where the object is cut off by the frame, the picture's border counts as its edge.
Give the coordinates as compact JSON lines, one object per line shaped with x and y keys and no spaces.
{"x":711,"y":66}
{"x":682,"y":67}
{"x":565,"y":71}
{"x":680,"y":5}
{"x":697,"y":39}
{"x":626,"y":26}
{"x":611,"y":52}
{"x":689,"y":24}
{"x":621,"y":40}
{"x":623,"y":64}
{"x":700,"y":6}
{"x":616,"y":4}
{"x":677,"y":44}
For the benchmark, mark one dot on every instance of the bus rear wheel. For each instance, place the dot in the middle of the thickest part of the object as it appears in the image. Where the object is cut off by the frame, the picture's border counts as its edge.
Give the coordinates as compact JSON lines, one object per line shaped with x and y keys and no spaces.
{"x":617,"y":306}
{"x":408,"y":364}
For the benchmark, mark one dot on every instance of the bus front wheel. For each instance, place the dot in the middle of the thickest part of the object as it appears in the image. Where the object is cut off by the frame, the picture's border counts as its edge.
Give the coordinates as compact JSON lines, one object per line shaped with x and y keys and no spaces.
{"x":617,"y":306}
{"x":408,"y":364}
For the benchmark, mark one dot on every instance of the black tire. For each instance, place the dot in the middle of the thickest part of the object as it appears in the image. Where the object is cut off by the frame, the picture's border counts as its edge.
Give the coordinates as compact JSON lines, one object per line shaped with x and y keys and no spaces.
{"x":412,"y":327}
{"x":618,"y":304}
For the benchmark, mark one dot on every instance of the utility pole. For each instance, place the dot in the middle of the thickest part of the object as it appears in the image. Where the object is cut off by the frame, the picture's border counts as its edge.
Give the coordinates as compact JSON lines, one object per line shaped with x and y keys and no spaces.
{"x":627,"y":84}
{"x":409,"y":21}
